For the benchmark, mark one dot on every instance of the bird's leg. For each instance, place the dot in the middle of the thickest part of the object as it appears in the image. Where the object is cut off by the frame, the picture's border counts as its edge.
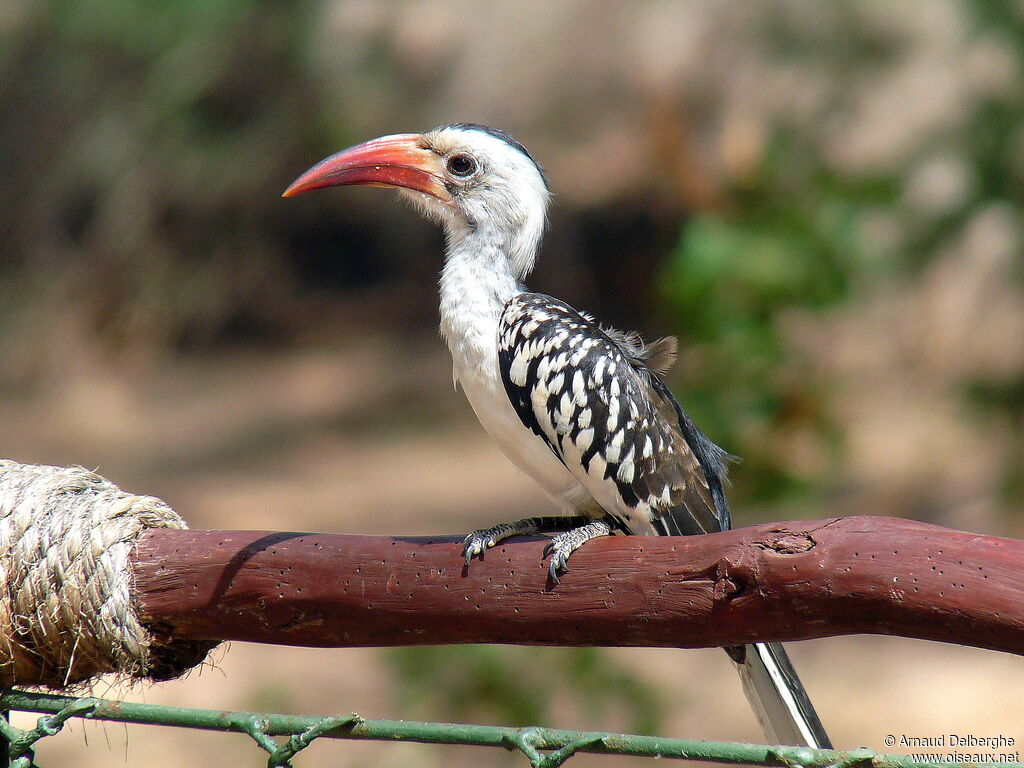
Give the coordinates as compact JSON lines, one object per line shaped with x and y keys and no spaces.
{"x":480,"y":541}
{"x":564,"y":544}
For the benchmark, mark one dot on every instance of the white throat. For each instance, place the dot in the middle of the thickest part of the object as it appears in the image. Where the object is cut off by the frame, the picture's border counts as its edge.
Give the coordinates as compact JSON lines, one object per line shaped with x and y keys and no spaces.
{"x":476,"y":283}
{"x":483,"y":269}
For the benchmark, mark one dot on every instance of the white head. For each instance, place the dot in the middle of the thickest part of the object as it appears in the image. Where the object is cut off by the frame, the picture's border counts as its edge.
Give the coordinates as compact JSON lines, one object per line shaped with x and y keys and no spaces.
{"x":478,"y":182}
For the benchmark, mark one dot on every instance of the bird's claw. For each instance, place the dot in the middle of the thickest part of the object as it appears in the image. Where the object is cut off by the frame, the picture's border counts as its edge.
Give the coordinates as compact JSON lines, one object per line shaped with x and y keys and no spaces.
{"x":556,"y":568}
{"x":476,"y":543}
{"x":564,"y":544}
{"x":559,"y":548}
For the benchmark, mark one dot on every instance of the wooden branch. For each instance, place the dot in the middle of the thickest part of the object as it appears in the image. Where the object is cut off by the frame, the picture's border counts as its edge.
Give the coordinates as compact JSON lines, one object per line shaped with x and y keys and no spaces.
{"x":779,"y":581}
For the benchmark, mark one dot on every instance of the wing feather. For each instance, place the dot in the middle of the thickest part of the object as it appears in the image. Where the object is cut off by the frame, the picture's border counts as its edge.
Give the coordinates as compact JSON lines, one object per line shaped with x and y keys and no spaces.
{"x":608,"y":416}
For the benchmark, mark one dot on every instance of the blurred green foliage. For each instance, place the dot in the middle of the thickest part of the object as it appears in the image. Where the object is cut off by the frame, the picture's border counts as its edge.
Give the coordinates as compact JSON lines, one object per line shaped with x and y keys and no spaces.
{"x":797,"y":235}
{"x":523,"y":686}
{"x":791,"y":238}
{"x":142,"y":203}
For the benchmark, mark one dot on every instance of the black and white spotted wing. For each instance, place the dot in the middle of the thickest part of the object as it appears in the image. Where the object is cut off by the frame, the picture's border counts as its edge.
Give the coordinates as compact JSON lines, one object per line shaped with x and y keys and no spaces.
{"x":610,"y":419}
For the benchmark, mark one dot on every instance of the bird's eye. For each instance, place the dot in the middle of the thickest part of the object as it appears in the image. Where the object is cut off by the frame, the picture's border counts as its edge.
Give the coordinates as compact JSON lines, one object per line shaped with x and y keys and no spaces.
{"x":461,"y":165}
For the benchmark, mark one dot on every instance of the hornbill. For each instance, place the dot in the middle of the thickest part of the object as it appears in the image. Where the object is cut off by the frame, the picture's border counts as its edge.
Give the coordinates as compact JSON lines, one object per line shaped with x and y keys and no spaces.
{"x":579,"y":407}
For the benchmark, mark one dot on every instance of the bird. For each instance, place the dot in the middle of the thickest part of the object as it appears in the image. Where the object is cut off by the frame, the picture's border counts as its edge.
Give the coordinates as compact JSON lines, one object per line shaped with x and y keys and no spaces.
{"x":581,"y":408}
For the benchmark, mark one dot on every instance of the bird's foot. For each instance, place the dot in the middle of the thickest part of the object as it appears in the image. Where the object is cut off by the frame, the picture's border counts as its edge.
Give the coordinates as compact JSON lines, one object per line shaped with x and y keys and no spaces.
{"x":564,"y":544}
{"x":480,"y":541}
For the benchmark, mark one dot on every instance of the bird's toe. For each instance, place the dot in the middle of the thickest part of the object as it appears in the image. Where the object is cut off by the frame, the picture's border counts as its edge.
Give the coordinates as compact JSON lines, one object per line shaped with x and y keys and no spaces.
{"x":476,"y":543}
{"x":559,"y":548}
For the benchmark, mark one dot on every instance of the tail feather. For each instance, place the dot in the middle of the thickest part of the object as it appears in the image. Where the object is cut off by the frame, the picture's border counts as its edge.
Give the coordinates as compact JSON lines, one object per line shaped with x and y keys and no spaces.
{"x":777,"y":696}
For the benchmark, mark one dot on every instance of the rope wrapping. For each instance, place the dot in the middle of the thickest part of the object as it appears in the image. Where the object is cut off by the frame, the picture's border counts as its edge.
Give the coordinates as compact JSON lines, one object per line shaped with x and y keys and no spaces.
{"x":67,"y":611}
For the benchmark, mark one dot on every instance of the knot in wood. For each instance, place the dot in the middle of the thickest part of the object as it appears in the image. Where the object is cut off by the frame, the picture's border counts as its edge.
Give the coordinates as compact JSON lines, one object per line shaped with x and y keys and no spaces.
{"x":730,"y":582}
{"x":788,"y":543}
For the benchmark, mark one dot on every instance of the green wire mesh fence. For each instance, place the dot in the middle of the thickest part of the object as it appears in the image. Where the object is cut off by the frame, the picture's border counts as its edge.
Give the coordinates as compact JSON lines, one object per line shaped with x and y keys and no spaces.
{"x":544,"y":747}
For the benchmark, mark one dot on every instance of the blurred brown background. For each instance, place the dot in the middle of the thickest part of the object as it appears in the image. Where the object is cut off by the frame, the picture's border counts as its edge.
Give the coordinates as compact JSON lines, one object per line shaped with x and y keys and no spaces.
{"x":821,"y":200}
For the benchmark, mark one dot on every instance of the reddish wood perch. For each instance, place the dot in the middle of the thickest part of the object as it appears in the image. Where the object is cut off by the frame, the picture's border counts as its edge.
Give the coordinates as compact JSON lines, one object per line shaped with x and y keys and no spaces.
{"x":779,"y":581}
